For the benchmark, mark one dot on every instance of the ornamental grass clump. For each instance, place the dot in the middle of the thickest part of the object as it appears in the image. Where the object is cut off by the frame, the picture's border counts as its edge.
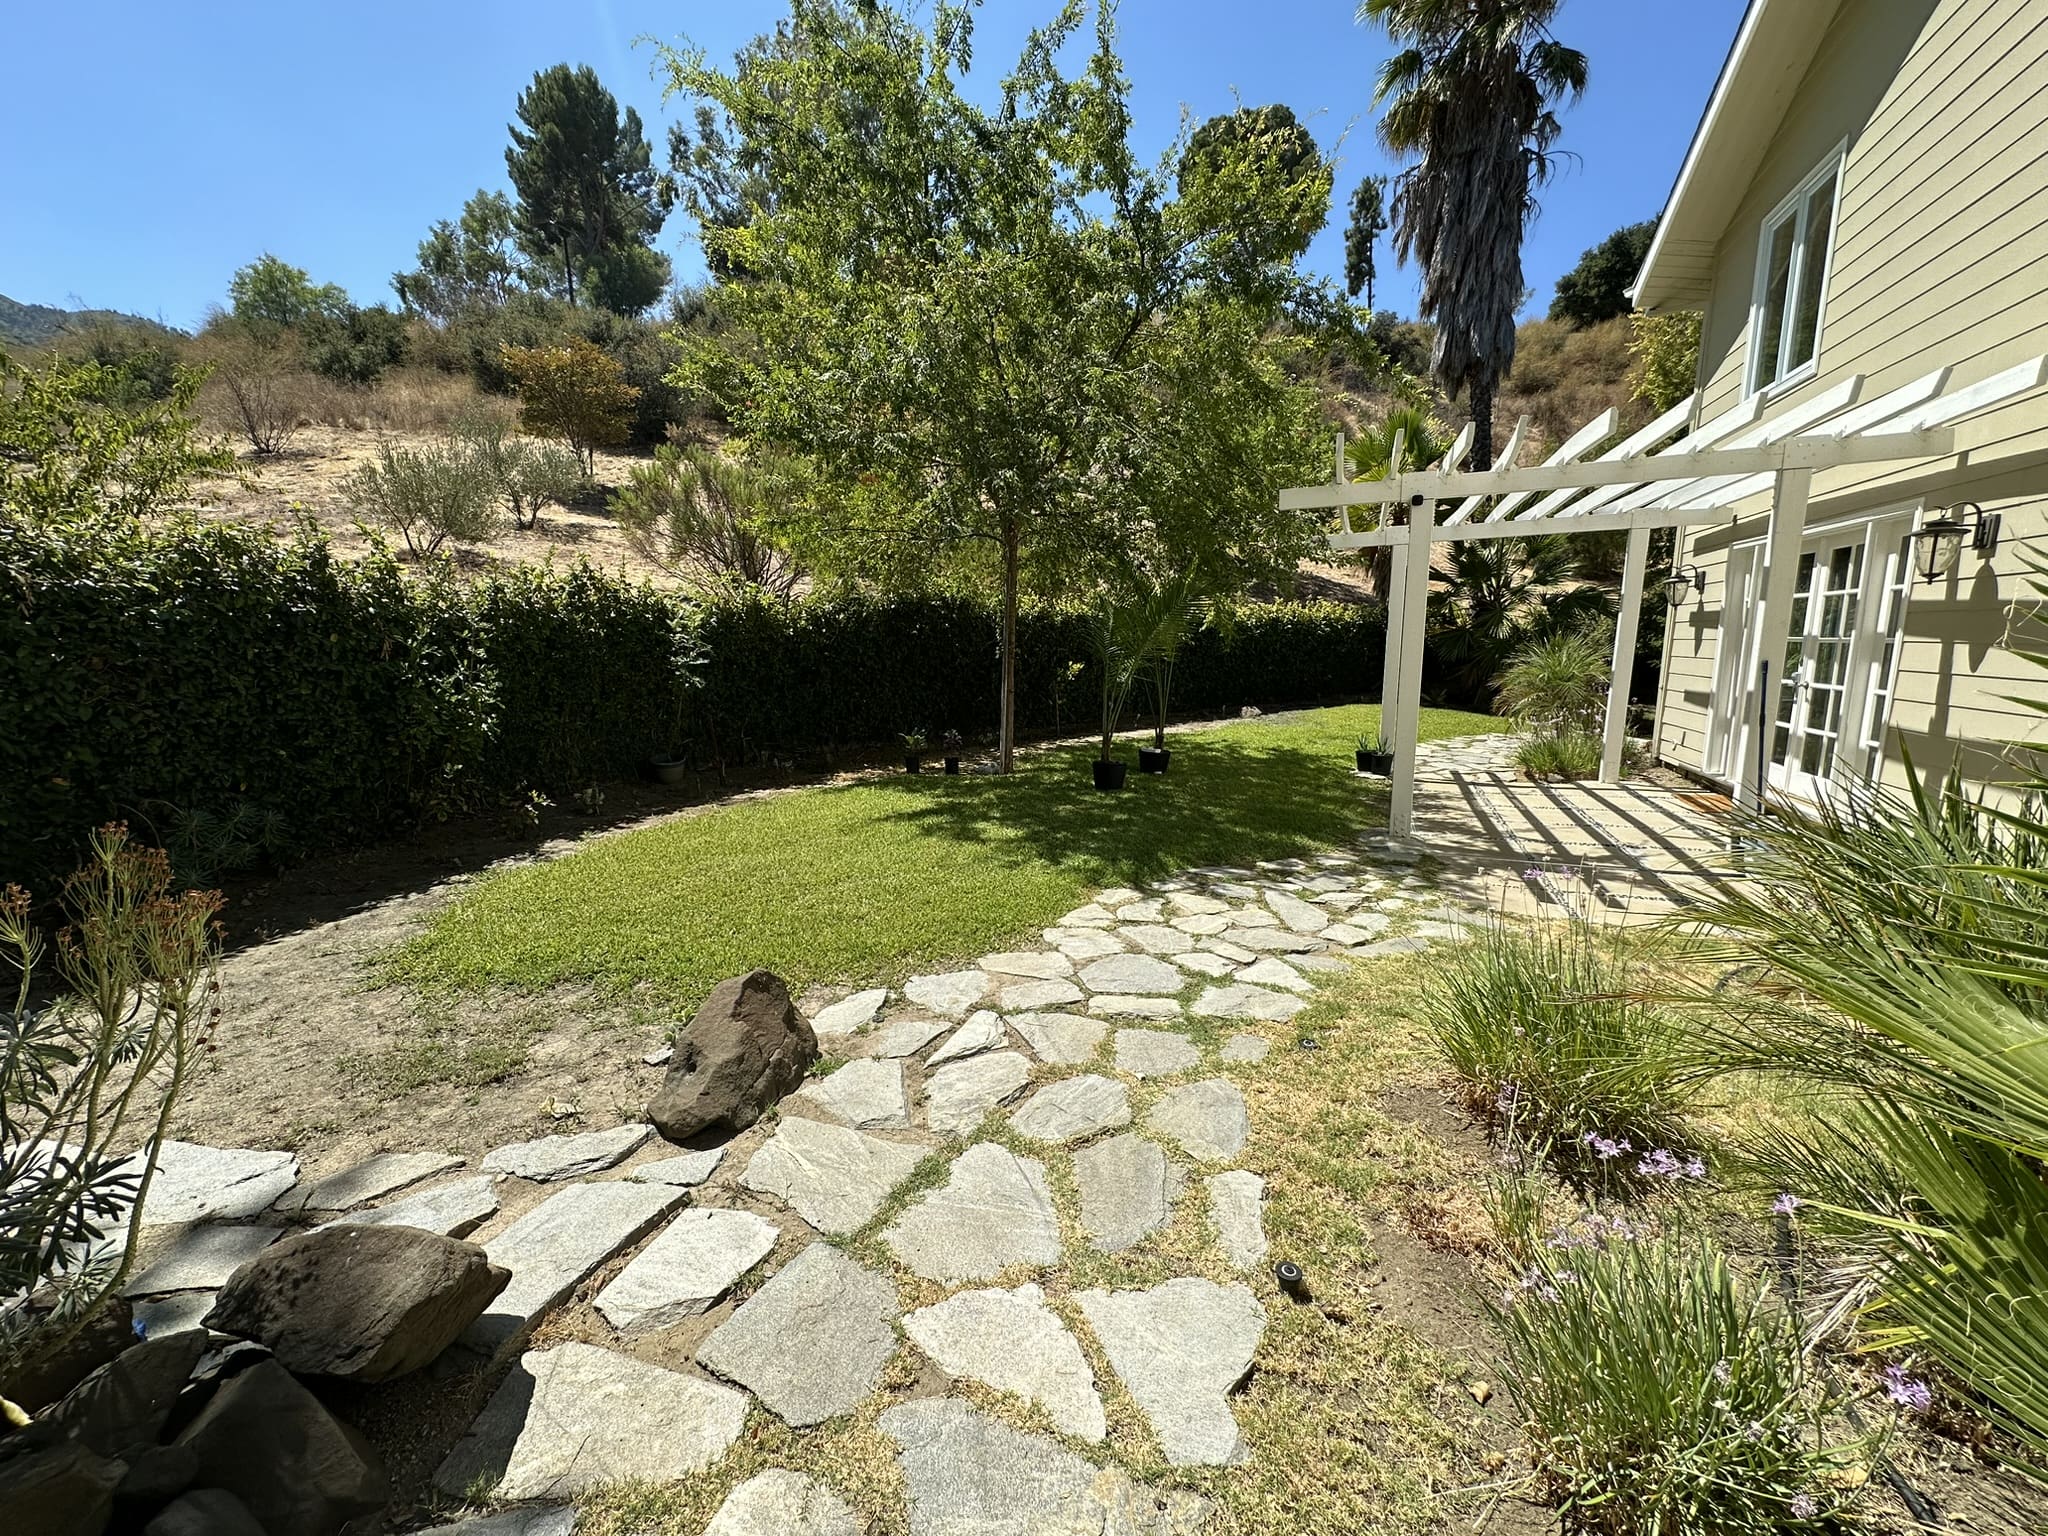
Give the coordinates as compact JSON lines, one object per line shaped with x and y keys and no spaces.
{"x":1665,"y":1394}
{"x":1559,"y":1055}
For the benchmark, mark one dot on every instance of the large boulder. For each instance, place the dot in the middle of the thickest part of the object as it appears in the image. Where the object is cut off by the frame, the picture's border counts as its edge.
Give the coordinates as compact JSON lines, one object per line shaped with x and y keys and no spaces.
{"x":367,"y":1303}
{"x":46,"y":1379}
{"x":121,"y":1408}
{"x":298,"y":1469}
{"x":745,"y":1049}
{"x":60,"y":1489}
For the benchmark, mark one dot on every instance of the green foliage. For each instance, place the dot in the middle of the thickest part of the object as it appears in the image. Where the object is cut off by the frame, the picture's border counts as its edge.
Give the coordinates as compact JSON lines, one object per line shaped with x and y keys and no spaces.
{"x":79,"y":438}
{"x":583,"y":174}
{"x":271,"y":294}
{"x":1556,"y":685}
{"x":1597,"y":288}
{"x":428,"y":495}
{"x":88,"y":1079}
{"x":527,"y":474}
{"x":354,"y":345}
{"x":464,"y":265}
{"x":701,"y":514}
{"x":1666,"y":350}
{"x":1362,"y":238}
{"x":1666,"y":1394}
{"x":572,"y":390}
{"x":1556,"y":1051}
{"x":1568,"y":755}
{"x":1262,"y":156}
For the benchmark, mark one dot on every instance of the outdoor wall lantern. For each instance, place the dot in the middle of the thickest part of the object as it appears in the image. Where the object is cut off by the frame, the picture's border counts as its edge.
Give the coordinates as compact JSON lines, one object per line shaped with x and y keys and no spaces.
{"x":1684,"y":579}
{"x":1938,"y":542}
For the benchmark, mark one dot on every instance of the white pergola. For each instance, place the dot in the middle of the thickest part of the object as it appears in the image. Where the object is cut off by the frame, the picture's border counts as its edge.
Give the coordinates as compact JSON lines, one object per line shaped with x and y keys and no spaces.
{"x":1667,"y":475}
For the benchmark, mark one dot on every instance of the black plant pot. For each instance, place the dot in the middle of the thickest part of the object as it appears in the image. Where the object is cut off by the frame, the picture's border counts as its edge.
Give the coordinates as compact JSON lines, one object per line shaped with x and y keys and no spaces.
{"x":669,"y":770}
{"x":952,"y":765}
{"x":1154,"y":759}
{"x":1381,"y":763}
{"x":912,"y":763}
{"x":1109,"y":774}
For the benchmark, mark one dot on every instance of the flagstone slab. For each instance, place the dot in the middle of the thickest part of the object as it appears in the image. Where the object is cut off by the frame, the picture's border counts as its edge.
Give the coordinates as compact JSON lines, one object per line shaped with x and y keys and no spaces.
{"x":1090,"y":916}
{"x":1128,"y":1189}
{"x":812,"y":1342}
{"x":1406,"y":945}
{"x":200,"y":1183}
{"x":1243,"y":1002}
{"x":1155,"y":938}
{"x":1237,"y":1207}
{"x":982,"y":1032}
{"x":1147,"y":911}
{"x":1011,"y":1341}
{"x":557,"y":1521}
{"x":550,"y":1159}
{"x":906,"y":1037}
{"x":1118,"y":896}
{"x":1274,"y":941}
{"x":995,"y":1210}
{"x":779,"y":1502}
{"x":1207,"y":1120}
{"x":577,"y":1416}
{"x":1031,"y":996}
{"x":1325,"y":964}
{"x":693,"y":1262}
{"x":1061,"y":1039}
{"x":371,"y":1179}
{"x":1079,"y":944}
{"x":1179,"y":1349}
{"x":1246,"y":1048}
{"x":1228,"y":950}
{"x":1206,"y":926}
{"x":1072,"y":1108}
{"x":1189,"y":904}
{"x":850,"y":1014}
{"x":1132,"y":975}
{"x":555,"y":1245}
{"x":869,"y":1094}
{"x":960,"y":1094}
{"x":1236,"y":890}
{"x":1361,"y":928}
{"x":1202,"y":963}
{"x":158,"y":1317}
{"x":969,"y":1475}
{"x":685,"y":1172}
{"x":1034,"y":964}
{"x":1273,"y":972}
{"x":833,"y":1177}
{"x":1341,"y":901}
{"x":1301,"y":916}
{"x":1113,"y":1005}
{"x":1253,"y":917}
{"x":200,"y":1258}
{"x":951,"y":994}
{"x":1155,"y":1052}
{"x":453,"y":1210}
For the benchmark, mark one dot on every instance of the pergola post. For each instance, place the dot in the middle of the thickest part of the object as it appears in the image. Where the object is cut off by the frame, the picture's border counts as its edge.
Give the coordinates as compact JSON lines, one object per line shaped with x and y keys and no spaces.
{"x":1413,"y":581}
{"x":1390,"y":666}
{"x":1773,"y":627}
{"x":1615,"y":737}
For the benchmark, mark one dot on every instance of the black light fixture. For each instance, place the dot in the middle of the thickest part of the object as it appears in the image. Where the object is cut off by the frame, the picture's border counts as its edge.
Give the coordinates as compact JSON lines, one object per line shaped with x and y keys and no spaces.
{"x":1938,"y":542}
{"x":1683,"y":579}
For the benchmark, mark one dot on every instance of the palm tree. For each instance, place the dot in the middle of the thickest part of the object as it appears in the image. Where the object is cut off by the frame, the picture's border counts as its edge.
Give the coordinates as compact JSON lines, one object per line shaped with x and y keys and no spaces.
{"x":1371,"y":454}
{"x":1469,"y":96}
{"x":1500,"y":594}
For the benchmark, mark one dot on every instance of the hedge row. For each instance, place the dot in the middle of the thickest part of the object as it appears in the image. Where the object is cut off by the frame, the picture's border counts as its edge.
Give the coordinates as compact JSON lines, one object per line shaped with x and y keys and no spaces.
{"x":212,"y":671}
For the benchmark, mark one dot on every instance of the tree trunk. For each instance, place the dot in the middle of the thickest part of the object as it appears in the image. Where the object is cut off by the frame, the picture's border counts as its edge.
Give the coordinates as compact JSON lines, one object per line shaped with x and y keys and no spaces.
{"x":569,"y":271}
{"x":1008,"y":727}
{"x":1482,"y":423}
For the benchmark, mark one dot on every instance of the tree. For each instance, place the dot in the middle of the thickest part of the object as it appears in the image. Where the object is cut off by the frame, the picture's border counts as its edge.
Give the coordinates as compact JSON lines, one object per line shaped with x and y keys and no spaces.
{"x":575,"y":391}
{"x":1362,"y":236}
{"x":1597,"y":288}
{"x":585,"y":182}
{"x":1666,"y":349}
{"x":1500,"y":594}
{"x":465,"y":263}
{"x":356,"y":345}
{"x":1005,"y":340}
{"x":1239,"y":153}
{"x":1469,"y":97}
{"x":273,"y":294}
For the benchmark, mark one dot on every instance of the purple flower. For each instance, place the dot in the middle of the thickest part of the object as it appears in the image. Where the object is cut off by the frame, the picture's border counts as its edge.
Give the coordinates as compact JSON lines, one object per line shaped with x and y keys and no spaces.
{"x":1532,"y":874}
{"x":1785,"y":1204}
{"x":1913,"y":1396}
{"x":1661,"y":1164}
{"x":1605,"y":1148}
{"x":141,"y":1329}
{"x":1803,"y":1506}
{"x":1695,"y":1168}
{"x":1505,"y":1100}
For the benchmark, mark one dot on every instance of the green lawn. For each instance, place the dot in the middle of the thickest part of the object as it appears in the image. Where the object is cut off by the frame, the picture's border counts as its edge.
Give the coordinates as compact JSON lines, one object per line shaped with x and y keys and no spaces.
{"x":873,"y":880}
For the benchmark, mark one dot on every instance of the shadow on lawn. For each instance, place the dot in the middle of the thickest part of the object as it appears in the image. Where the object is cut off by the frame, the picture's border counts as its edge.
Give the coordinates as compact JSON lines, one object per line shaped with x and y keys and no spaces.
{"x":1228,"y":799}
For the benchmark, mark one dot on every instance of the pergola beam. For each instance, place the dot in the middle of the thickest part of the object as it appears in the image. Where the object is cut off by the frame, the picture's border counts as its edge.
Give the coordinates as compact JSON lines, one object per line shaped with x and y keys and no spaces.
{"x":1602,"y":522}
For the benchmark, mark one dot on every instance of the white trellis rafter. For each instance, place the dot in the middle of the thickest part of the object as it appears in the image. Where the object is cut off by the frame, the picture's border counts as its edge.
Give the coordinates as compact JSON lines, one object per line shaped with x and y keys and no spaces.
{"x":1663,"y":476}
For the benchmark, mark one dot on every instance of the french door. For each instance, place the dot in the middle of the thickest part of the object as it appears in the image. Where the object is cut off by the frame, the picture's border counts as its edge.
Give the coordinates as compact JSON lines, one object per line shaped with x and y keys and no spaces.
{"x":1813,"y":687}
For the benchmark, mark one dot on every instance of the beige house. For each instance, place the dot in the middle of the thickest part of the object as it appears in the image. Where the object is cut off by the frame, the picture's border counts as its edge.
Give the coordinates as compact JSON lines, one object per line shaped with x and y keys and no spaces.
{"x":1864,"y":206}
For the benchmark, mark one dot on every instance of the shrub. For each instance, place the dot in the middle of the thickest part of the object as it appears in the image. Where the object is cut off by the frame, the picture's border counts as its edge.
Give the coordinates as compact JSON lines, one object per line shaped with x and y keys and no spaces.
{"x":1666,"y":353}
{"x":528,"y":474}
{"x":428,"y":495}
{"x":1572,"y":755}
{"x":356,"y":345}
{"x":1557,"y":684}
{"x":1665,"y":1395}
{"x":88,"y":1078}
{"x":573,"y":391}
{"x":697,"y":513}
{"x":261,"y":383}
{"x":1558,"y":1055}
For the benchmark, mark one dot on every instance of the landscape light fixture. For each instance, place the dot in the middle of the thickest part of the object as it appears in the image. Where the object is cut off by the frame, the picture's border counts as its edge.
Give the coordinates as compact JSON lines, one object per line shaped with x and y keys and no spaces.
{"x":1938,"y":542}
{"x":1683,"y":579}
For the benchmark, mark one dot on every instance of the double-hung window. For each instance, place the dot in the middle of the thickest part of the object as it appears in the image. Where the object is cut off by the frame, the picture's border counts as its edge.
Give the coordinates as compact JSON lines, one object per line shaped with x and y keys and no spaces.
{"x":1791,"y":283}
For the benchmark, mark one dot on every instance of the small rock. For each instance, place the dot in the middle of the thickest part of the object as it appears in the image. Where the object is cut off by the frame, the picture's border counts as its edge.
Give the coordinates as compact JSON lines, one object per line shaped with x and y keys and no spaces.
{"x":660,"y":1056}
{"x":157,"y":1474}
{"x":951,"y":994}
{"x":1127,"y":975}
{"x":869,"y":1094}
{"x":365,"y":1303}
{"x":783,"y":1503}
{"x":835,"y":1178}
{"x":201,"y":1259}
{"x":994,"y":1210}
{"x":1111,"y":1005}
{"x":576,"y":1416}
{"x":1154,"y":1052}
{"x":812,"y":1342}
{"x":1180,"y":1348}
{"x":452,"y":1210}
{"x":371,"y":1179}
{"x":551,"y":1159}
{"x":1242,"y":1002}
{"x":1128,"y":1187}
{"x":1270,"y":972}
{"x":1062,"y":1039}
{"x":959,"y":1095}
{"x":855,"y":1012}
{"x":1208,"y":1120}
{"x":1246,"y":1048}
{"x":120,"y":1409}
{"x":685,"y":1172}
{"x":745,"y":1049}
{"x":1036,"y":964}
{"x":1237,"y":1203}
{"x":1482,"y":1392}
{"x":1072,"y":1108}
{"x":1031,"y":996}
{"x":265,"y":1439}
{"x":697,"y":1258}
{"x":1010,"y":1340}
{"x":982,"y":1032}
{"x":906,"y":1037}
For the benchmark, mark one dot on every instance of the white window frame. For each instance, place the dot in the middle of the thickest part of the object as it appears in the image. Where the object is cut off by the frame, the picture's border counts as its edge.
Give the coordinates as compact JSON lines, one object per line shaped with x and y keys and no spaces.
{"x":1794,"y":207}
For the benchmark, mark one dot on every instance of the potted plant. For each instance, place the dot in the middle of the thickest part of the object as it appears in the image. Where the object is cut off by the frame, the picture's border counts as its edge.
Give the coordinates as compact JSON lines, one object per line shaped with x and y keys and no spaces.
{"x":1171,"y":609}
{"x":913,"y":751}
{"x":1121,"y":634}
{"x":1375,"y":753}
{"x":952,"y":745}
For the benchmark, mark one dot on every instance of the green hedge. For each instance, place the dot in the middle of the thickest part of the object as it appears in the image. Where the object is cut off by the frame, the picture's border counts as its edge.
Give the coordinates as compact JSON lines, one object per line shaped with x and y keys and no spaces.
{"x":210,"y":670}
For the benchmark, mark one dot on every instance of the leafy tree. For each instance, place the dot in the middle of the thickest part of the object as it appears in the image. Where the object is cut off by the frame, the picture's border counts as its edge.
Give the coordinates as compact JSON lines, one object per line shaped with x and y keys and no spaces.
{"x":1597,"y":288}
{"x":1241,"y":153}
{"x":585,"y":181}
{"x":1469,"y":97}
{"x":1006,"y":340}
{"x":575,"y":391}
{"x":464,"y":263}
{"x":356,"y":345}
{"x":273,"y":294}
{"x":1666,"y":349}
{"x":81,"y":437}
{"x":1362,"y":237}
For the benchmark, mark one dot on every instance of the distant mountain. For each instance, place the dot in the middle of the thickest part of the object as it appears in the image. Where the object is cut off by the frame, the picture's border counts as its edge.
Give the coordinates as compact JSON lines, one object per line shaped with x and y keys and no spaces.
{"x":35,"y":325}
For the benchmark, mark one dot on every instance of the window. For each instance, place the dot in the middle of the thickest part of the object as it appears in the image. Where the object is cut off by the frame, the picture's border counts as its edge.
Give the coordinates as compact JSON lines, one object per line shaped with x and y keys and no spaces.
{"x":1791,"y":283}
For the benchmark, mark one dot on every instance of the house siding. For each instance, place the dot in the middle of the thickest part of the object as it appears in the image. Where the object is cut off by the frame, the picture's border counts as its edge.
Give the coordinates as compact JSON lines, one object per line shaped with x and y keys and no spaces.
{"x":1940,"y":258}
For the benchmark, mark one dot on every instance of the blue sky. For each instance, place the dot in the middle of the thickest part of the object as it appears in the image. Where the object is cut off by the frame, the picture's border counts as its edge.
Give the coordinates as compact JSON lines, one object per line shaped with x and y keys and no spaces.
{"x":151,"y":149}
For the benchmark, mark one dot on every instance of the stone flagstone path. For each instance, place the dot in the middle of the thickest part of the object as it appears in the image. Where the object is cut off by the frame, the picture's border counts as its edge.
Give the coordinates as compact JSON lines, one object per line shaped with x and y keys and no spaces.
{"x":914,"y":1206}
